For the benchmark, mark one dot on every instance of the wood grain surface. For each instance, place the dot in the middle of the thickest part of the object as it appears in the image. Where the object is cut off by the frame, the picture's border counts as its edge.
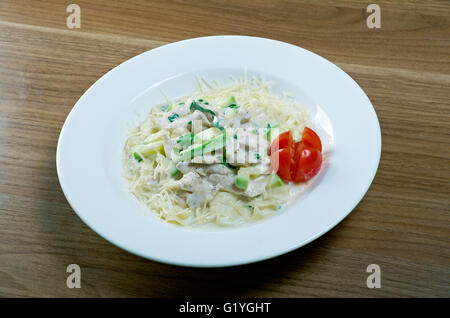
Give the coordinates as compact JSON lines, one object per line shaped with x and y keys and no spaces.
{"x":402,"y":224}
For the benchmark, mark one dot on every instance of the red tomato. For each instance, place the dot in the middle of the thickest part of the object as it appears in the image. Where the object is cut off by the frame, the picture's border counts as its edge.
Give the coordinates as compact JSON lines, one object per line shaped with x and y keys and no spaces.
{"x":283,"y":140}
{"x":281,"y":163}
{"x":306,"y":162}
{"x":310,"y":139}
{"x":297,"y":162}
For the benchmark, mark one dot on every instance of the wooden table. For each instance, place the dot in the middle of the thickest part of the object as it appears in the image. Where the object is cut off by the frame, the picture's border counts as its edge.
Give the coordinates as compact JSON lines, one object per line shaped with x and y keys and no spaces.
{"x":402,"y":224}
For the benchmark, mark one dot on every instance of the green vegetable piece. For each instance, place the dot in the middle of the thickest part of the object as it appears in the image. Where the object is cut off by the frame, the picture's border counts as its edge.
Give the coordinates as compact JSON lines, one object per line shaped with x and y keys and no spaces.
{"x":275,"y":181}
{"x":226,"y":164}
{"x":173,"y":171}
{"x":242,"y":178}
{"x":269,"y":129}
{"x":229,"y":102}
{"x":137,"y":157}
{"x":196,"y":106}
{"x":169,"y":166}
{"x":173,"y":117}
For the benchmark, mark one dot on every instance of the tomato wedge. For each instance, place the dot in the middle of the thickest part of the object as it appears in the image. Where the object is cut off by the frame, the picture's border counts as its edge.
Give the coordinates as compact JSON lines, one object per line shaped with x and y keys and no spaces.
{"x":297,"y":162}
{"x":281,"y":155}
{"x":310,"y":139}
{"x":281,"y":163}
{"x":306,"y":162}
{"x":284,"y":140}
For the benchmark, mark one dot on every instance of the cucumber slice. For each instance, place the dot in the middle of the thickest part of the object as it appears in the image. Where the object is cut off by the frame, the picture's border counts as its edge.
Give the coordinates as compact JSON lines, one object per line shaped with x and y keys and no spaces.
{"x":275,"y":181}
{"x":137,"y":157}
{"x":242,"y":178}
{"x":173,"y":171}
{"x":229,"y":102}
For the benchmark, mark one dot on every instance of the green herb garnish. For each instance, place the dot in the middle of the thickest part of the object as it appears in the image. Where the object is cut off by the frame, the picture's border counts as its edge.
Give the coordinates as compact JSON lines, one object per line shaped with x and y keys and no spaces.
{"x":137,"y":157}
{"x":173,"y":117}
{"x":215,"y":122}
{"x":196,"y":106}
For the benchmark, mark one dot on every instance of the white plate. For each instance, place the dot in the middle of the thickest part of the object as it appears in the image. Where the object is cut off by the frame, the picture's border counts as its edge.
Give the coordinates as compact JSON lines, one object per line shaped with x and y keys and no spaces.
{"x":92,"y":139}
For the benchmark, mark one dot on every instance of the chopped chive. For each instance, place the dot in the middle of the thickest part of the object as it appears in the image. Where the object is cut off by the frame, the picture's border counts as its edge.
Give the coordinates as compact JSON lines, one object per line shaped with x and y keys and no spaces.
{"x":196,"y":106}
{"x":190,"y":122}
{"x":226,"y":164}
{"x":200,"y":100}
{"x":233,"y":106}
{"x":182,"y":103}
{"x":206,"y":103}
{"x":173,"y":117}
{"x":215,"y":122}
{"x":137,"y":157}
{"x":258,"y":156}
{"x":250,"y":206}
{"x":235,"y":136}
{"x":269,"y":129}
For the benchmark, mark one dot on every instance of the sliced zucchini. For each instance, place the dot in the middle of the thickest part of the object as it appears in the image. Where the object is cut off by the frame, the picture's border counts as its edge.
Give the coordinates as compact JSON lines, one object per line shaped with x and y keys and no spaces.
{"x":242,"y":179}
{"x":229,"y":102}
{"x":275,"y":181}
